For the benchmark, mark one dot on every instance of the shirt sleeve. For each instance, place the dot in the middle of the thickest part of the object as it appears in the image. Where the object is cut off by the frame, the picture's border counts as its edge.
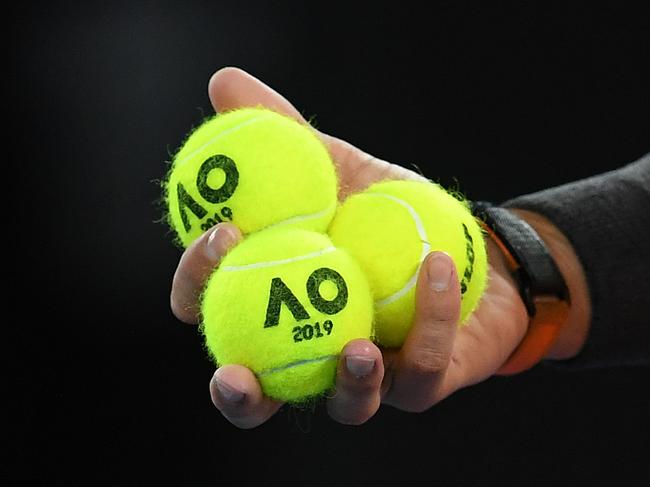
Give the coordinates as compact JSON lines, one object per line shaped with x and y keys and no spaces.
{"x":607,"y":220}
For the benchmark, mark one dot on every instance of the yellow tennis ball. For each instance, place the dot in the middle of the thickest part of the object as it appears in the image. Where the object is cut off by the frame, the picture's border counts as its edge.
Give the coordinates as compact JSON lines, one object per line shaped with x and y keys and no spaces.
{"x":283,"y":303}
{"x":390,"y":228}
{"x":253,"y":167}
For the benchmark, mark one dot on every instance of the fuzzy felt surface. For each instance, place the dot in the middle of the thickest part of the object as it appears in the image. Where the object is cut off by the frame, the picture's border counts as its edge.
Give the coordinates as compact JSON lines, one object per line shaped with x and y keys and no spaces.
{"x":251,"y":166}
{"x":284,"y":302}
{"x":390,"y":228}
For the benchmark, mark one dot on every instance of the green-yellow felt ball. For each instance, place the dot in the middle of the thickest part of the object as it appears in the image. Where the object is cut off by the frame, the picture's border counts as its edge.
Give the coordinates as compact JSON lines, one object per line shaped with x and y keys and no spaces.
{"x":284,"y":302}
{"x":390,"y":228}
{"x":253,"y":167}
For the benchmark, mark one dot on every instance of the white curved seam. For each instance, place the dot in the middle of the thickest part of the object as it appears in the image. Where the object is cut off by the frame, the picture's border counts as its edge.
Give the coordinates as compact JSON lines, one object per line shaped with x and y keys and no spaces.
{"x":297,"y":363}
{"x":273,"y":263}
{"x":426,"y":247}
{"x":301,"y":218}
{"x":219,"y":136}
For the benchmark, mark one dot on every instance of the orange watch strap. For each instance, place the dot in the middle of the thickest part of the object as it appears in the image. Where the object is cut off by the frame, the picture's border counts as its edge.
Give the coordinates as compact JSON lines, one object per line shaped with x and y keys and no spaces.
{"x":544,"y":327}
{"x":543,"y":330}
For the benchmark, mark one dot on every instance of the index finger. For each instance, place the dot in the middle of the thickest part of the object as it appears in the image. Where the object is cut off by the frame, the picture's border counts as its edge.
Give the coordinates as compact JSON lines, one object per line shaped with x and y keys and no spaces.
{"x":195,"y":266}
{"x":236,"y":392}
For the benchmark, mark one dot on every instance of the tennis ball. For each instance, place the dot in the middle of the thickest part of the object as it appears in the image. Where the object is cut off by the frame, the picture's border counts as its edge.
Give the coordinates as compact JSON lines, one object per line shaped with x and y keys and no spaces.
{"x":253,"y":167}
{"x":390,"y":228}
{"x":283,"y":303}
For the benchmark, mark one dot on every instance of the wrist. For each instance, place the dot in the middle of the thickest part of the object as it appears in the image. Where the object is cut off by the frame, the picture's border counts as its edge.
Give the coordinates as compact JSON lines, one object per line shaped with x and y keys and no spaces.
{"x":573,"y":333}
{"x":548,"y":275}
{"x":501,"y":266}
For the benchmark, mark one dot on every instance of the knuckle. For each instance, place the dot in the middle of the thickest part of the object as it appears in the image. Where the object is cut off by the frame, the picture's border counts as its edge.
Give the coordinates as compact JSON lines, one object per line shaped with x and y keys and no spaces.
{"x":352,"y":414}
{"x":362,"y":388}
{"x":240,"y":415}
{"x":413,"y":403}
{"x":357,"y":390}
{"x":441,"y":314}
{"x":428,"y":362}
{"x":347,"y":418}
{"x":447,"y":313}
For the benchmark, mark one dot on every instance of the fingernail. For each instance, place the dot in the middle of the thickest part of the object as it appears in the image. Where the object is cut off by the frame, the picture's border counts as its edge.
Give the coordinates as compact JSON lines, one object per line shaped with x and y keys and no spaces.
{"x":229,"y":393}
{"x":219,"y":242}
{"x":359,"y":366}
{"x":439,"y":271}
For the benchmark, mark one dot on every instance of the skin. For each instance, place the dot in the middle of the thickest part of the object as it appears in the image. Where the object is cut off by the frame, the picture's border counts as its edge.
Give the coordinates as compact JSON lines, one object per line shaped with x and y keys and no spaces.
{"x":437,"y":358}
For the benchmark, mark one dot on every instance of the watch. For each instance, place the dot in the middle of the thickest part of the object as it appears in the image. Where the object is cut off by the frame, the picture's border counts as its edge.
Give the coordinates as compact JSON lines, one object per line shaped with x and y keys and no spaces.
{"x":541,"y":285}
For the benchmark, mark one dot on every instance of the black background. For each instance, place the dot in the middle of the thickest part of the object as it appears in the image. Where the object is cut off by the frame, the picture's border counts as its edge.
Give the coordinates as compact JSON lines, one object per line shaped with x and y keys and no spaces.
{"x":499,"y":98}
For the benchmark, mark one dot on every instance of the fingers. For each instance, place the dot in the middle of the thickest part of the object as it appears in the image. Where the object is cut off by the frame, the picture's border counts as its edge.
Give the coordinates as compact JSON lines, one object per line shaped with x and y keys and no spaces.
{"x":231,"y":88}
{"x":196,"y":264}
{"x":235,"y":391}
{"x":358,"y":383}
{"x":416,"y":379}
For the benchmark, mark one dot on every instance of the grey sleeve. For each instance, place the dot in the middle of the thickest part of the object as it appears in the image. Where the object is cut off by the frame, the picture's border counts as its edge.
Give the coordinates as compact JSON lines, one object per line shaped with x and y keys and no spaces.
{"x":607,"y":220}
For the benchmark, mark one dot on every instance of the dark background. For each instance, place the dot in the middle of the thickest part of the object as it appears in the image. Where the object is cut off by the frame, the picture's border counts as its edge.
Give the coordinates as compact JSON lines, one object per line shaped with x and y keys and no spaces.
{"x":498,"y":98}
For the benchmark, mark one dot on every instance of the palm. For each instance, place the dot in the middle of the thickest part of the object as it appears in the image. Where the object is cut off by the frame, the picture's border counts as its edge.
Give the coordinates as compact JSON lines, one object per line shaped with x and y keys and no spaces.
{"x":492,"y":331}
{"x":496,"y":326}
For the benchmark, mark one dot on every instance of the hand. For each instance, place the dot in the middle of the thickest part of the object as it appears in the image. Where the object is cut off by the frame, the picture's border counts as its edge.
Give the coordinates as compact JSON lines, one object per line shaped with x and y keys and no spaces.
{"x":437,"y":357}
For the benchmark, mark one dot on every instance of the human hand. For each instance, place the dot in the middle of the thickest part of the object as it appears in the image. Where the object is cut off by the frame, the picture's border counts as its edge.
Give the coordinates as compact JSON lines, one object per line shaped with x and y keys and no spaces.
{"x":437,"y":357}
